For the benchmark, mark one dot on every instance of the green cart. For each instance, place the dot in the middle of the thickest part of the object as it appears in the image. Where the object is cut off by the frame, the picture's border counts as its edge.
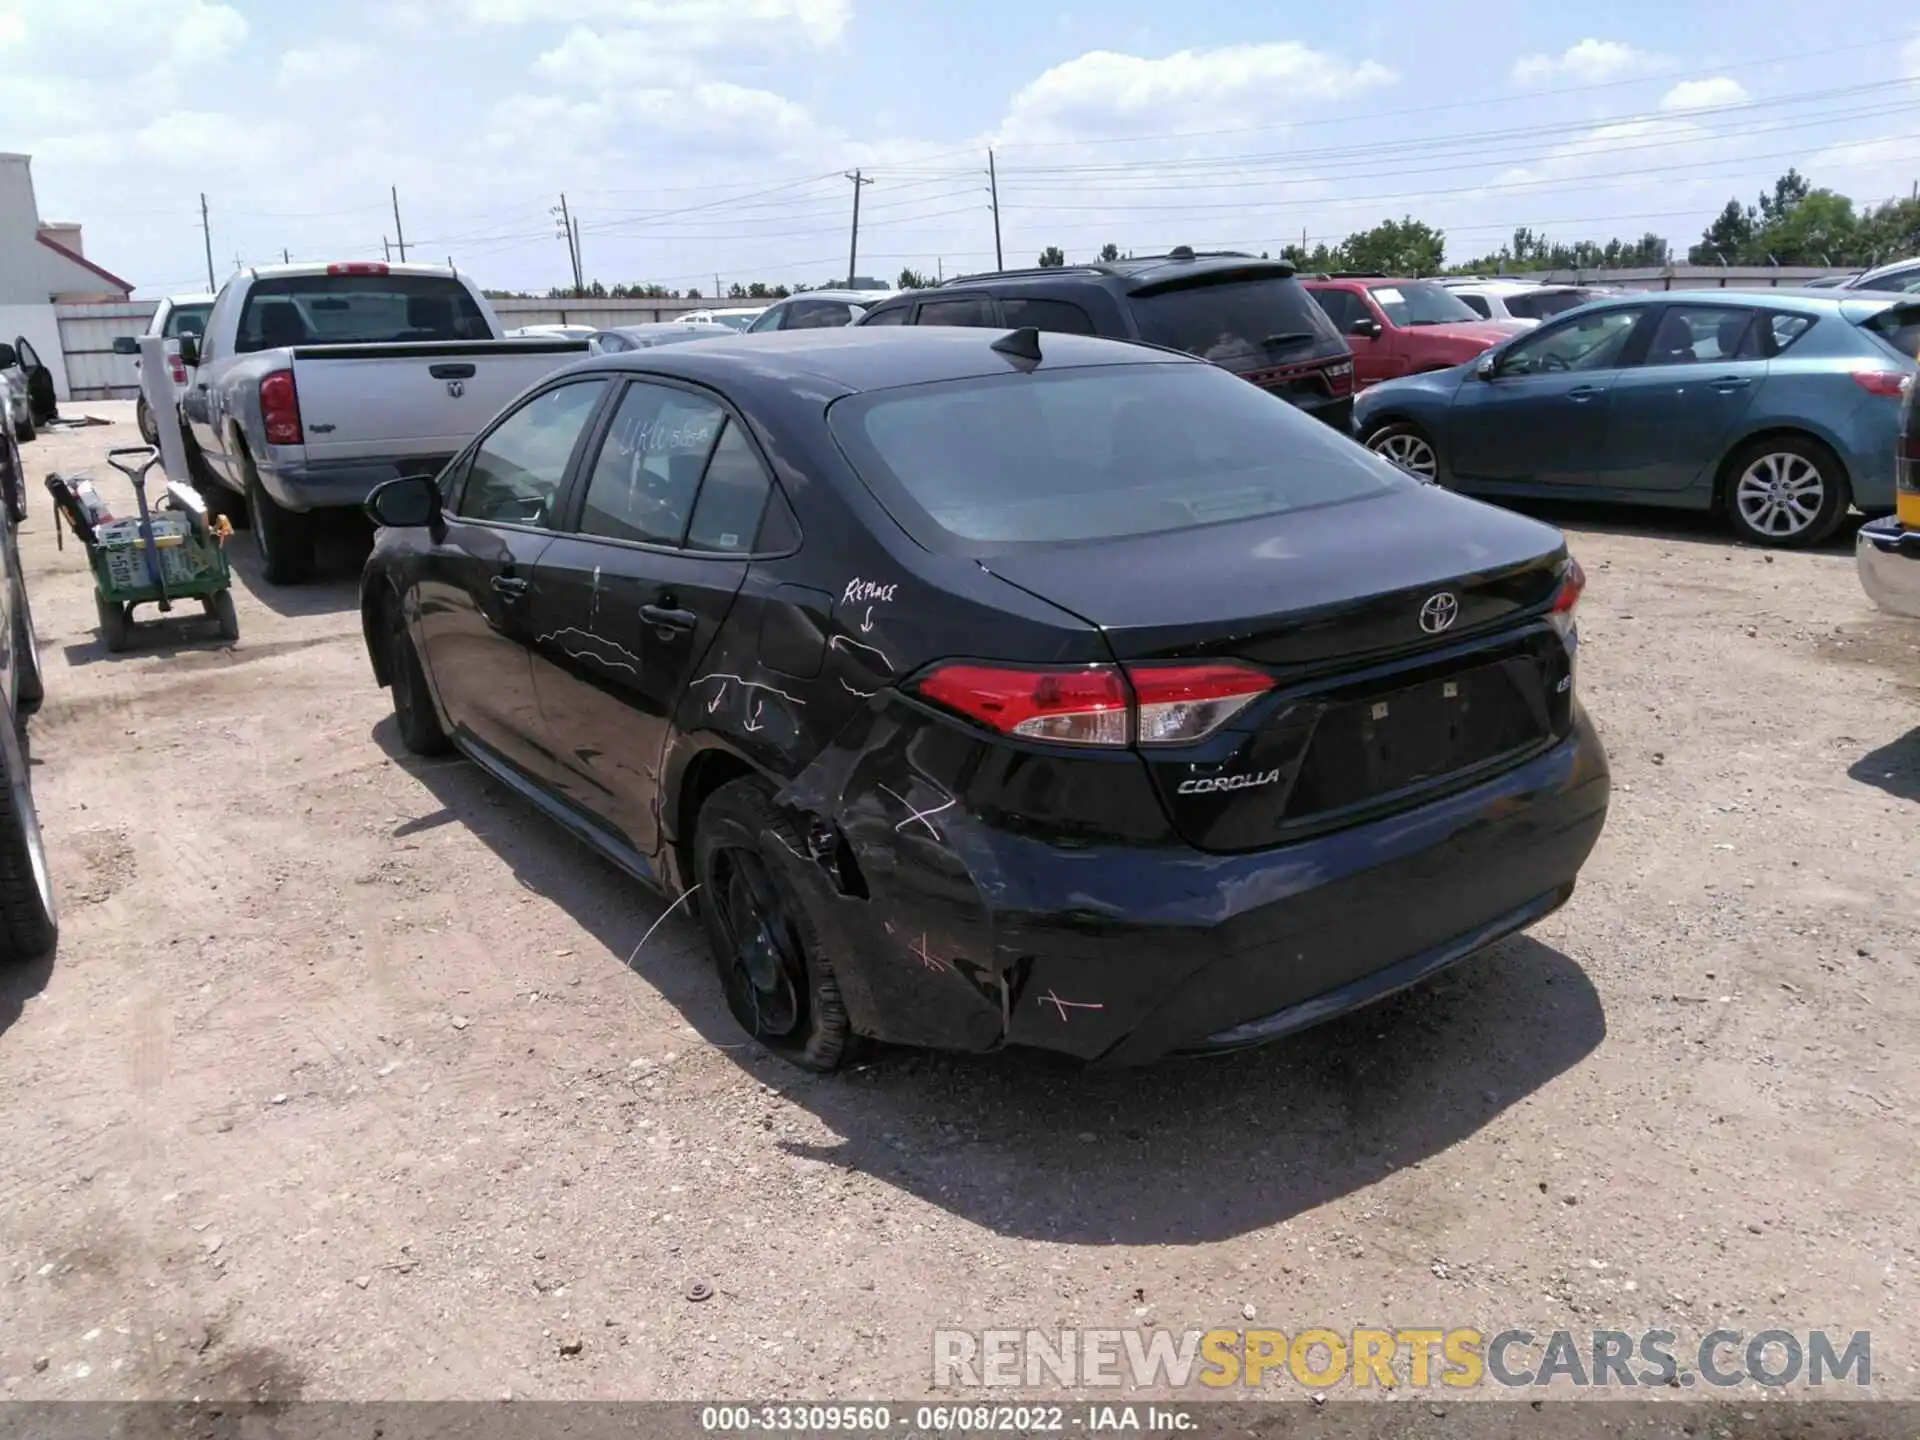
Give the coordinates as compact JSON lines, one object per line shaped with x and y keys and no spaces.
{"x":169,"y":553}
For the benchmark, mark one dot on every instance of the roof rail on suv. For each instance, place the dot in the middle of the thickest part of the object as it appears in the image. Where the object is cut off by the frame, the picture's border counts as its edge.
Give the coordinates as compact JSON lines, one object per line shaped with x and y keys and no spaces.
{"x":1105,"y":267}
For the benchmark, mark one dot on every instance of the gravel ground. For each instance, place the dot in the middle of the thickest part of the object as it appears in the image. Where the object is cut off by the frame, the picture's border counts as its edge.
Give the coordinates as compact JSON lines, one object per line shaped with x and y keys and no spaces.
{"x":346,"y":1081}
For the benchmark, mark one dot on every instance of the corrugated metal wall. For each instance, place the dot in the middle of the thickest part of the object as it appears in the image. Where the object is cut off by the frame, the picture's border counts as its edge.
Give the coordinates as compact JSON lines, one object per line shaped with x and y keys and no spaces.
{"x":87,"y":333}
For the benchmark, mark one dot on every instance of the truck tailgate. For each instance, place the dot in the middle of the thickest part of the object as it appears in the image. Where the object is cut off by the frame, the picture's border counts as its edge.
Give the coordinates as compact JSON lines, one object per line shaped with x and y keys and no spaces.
{"x":382,"y":401}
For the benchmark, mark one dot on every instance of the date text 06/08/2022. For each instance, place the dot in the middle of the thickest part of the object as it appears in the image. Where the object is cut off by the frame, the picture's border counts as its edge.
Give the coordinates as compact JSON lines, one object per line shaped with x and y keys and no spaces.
{"x":945,"y":1420}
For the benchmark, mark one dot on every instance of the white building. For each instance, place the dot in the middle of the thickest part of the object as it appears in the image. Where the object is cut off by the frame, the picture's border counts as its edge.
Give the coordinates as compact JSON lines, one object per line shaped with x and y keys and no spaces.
{"x":43,"y":265}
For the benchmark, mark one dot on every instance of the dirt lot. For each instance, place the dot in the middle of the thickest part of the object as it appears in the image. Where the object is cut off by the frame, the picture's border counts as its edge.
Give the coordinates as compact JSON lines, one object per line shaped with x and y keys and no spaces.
{"x":341,"y":1083}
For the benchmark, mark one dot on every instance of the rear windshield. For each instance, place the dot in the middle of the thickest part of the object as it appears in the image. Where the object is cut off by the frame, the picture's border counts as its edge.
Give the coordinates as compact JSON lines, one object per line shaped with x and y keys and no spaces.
{"x":1237,"y":323}
{"x":1416,"y":302}
{"x":186,"y":320}
{"x":1547,"y":302}
{"x":357,"y":310}
{"x":1095,"y":453}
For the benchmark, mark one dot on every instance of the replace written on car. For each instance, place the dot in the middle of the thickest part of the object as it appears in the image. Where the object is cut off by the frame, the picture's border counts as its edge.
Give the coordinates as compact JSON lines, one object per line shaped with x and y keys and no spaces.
{"x":848,"y":629}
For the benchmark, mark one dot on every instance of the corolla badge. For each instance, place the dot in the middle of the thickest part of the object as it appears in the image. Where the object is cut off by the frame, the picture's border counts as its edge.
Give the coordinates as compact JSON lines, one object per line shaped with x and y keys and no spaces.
{"x":1211,"y":783}
{"x":1439,"y":612}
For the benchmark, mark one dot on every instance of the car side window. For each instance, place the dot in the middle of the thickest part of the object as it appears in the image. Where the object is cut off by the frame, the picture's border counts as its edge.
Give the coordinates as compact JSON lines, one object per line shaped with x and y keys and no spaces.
{"x":818,"y":315}
{"x":1898,"y":281}
{"x":733,"y":496}
{"x":209,"y":345}
{"x":1342,"y":307}
{"x":1702,"y":334}
{"x":648,"y":471}
{"x":515,"y":475}
{"x":769,"y":319}
{"x":1061,"y":316}
{"x":1592,"y":342}
{"x":1478,"y":304}
{"x":1783,"y":329}
{"x":896,"y":316}
{"x":964,"y":310}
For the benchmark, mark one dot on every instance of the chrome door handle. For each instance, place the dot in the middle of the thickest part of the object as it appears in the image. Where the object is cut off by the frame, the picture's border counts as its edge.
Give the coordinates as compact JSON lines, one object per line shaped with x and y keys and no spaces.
{"x":511,"y":586}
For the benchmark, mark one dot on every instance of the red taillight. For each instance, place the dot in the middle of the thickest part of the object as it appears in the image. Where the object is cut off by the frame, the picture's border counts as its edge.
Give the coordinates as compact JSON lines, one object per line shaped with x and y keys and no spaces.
{"x":357,"y":267}
{"x":1891,"y":384}
{"x":1084,"y":706}
{"x":280,"y":408}
{"x":177,"y":368}
{"x":1092,"y":704}
{"x":1573,"y":582}
{"x":1179,"y":703}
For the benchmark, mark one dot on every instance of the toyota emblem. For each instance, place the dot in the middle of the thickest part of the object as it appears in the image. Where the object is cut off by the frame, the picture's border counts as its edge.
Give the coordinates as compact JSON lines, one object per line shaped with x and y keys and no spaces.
{"x":456,"y":388}
{"x":1439,"y":612}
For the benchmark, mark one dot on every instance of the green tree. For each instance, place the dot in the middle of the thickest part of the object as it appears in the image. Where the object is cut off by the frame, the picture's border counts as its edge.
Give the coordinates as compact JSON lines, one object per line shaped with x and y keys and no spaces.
{"x":1788,"y":191}
{"x":1109,"y":253}
{"x":1395,"y":247}
{"x":1729,"y":239}
{"x":693,"y":294}
{"x":1052,"y":257}
{"x":1886,"y":232}
{"x":911,"y":279}
{"x":1817,"y":230}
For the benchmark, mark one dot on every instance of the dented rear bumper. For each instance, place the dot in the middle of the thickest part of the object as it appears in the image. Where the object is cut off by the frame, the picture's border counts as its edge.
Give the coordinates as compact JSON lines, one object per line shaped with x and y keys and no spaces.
{"x":965,"y":934}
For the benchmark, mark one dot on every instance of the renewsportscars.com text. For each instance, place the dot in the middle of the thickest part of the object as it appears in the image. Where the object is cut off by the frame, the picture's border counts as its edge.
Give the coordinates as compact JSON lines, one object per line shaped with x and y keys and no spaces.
{"x":1320,"y":1358}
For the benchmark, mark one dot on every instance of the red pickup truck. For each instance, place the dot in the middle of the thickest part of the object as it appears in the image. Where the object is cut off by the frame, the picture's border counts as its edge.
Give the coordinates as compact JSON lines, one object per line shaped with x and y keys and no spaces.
{"x":1401,"y":327}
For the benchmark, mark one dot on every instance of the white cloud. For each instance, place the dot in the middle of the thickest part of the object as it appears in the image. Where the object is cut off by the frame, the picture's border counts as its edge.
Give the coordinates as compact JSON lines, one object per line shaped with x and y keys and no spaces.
{"x":177,"y":31}
{"x":1104,"y":90}
{"x":681,"y":24}
{"x":1704,"y":94}
{"x":1587,"y":63}
{"x":328,"y":62}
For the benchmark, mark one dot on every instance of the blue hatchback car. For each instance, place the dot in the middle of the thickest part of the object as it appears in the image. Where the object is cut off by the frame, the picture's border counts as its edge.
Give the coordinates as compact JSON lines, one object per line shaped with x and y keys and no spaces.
{"x":1780,"y":408}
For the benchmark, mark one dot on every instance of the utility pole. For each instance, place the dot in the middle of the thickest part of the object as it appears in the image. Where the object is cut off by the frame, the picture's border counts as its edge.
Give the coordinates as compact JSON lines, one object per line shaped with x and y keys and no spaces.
{"x":206,"y":234}
{"x":385,"y":248}
{"x":993,"y":186}
{"x":853,"y":243}
{"x":567,"y":233}
{"x":579,"y":273}
{"x":285,"y":257}
{"x":399,"y":235}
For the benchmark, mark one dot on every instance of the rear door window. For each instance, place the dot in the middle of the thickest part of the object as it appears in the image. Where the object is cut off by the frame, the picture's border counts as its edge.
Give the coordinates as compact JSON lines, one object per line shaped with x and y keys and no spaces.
{"x":1703,"y":334}
{"x":977,"y":465}
{"x":1237,"y":322}
{"x":1060,"y":316}
{"x":648,"y":470}
{"x":965,"y":310}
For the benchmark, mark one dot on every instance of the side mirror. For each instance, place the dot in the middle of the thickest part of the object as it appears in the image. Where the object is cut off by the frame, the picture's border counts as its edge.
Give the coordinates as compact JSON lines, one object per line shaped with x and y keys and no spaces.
{"x":189,"y":351}
{"x":412,"y":500}
{"x":1365,"y":328}
{"x":1488,"y":364}
{"x":125,"y":345}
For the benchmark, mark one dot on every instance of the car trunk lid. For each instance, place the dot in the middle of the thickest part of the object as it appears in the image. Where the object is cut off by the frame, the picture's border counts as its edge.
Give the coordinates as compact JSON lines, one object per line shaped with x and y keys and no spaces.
{"x":1418,"y":658}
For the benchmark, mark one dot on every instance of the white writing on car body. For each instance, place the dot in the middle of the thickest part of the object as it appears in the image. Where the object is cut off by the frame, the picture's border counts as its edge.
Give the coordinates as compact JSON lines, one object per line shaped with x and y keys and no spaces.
{"x":860,"y":592}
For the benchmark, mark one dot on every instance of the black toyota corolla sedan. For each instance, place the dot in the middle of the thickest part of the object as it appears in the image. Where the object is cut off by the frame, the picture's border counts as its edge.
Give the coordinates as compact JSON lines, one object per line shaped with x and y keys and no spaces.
{"x":1000,"y":688}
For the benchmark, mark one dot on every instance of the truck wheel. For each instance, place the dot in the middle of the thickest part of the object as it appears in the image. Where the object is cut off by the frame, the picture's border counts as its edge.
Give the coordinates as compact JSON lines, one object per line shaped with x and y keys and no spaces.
{"x":283,"y":538}
{"x":29,"y":688}
{"x":29,"y":924}
{"x":143,"y":417}
{"x":116,"y":625}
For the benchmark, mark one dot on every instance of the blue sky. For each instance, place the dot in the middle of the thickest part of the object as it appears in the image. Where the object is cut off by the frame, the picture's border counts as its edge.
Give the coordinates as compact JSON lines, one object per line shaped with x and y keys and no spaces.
{"x":704,"y":137}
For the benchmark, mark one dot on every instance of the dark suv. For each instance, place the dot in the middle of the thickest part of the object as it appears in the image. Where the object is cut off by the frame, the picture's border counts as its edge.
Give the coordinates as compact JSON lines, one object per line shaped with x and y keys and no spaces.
{"x":1245,"y":314}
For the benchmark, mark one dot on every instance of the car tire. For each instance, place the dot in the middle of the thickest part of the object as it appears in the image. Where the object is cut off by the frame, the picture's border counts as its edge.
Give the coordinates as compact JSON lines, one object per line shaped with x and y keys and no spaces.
{"x":220,"y":610}
{"x":413,"y":712}
{"x":1407,"y":445}
{"x":29,"y":685}
{"x":26,"y":430}
{"x":116,"y":624}
{"x":282,"y":538}
{"x":143,"y":418}
{"x":774,"y":968}
{"x":29,"y":922}
{"x":1785,"y":492}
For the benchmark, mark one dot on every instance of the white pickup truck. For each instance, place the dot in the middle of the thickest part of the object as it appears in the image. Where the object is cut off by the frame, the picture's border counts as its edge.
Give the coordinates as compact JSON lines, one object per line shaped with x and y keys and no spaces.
{"x":312,"y":384}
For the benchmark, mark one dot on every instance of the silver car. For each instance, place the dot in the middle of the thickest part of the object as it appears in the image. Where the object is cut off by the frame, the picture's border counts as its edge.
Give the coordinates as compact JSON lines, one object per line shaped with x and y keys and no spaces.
{"x":645,"y":337}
